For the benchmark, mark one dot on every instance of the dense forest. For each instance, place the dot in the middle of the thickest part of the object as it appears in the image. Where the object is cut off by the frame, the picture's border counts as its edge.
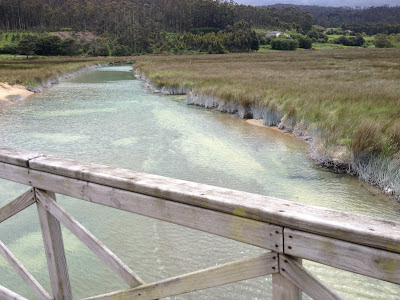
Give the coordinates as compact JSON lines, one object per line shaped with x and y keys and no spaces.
{"x":371,"y":20}
{"x":114,"y":16}
{"x":125,"y":27}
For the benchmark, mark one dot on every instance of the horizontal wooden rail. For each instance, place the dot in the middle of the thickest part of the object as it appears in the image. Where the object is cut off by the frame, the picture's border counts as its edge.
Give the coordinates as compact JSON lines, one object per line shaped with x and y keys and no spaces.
{"x":371,"y":262}
{"x":73,"y":178}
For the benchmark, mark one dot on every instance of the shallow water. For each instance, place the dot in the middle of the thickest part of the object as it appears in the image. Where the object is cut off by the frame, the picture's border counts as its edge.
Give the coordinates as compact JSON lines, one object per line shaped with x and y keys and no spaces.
{"x":106,"y":116}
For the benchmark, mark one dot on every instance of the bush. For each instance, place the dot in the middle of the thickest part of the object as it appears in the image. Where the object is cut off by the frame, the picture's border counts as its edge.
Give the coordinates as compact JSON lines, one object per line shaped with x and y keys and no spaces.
{"x":305,"y":42}
{"x":99,"y":47}
{"x":350,"y":41}
{"x":382,"y":41}
{"x":284,"y":44}
{"x":262,"y":39}
{"x":27,"y":45}
{"x":48,"y":45}
{"x":317,"y":36}
{"x":69,"y":47}
{"x":9,"y":49}
{"x":121,"y":50}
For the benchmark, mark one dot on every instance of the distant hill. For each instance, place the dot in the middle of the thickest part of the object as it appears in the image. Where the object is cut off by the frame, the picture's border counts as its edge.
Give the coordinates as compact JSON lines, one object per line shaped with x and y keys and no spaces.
{"x":334,"y":3}
{"x":338,"y":16}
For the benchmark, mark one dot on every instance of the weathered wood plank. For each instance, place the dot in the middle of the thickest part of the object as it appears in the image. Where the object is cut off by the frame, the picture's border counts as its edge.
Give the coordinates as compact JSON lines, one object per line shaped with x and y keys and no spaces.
{"x":372,"y":262}
{"x":15,"y":173}
{"x":341,"y":225}
{"x":23,"y":272}
{"x":240,"y":229}
{"x":284,"y":289}
{"x":16,"y":157}
{"x":350,"y":227}
{"x":105,"y":254}
{"x":45,"y":181}
{"x":303,"y":279}
{"x":55,"y":254}
{"x":17,"y":205}
{"x":262,"y":265}
{"x":6,"y":294}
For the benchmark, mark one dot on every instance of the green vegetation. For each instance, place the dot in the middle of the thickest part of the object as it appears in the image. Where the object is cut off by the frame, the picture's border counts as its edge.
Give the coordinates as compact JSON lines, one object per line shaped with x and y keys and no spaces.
{"x":138,"y":27}
{"x":15,"y":70}
{"x":369,"y":20}
{"x":284,"y":44}
{"x":333,"y":92}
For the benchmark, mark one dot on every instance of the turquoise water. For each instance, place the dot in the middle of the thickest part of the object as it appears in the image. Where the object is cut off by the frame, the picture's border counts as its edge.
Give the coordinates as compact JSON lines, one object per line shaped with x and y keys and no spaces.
{"x":108,"y":117}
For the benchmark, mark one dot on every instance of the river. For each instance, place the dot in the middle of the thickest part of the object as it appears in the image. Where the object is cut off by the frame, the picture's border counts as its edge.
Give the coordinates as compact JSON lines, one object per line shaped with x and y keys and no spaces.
{"x":106,"y":116}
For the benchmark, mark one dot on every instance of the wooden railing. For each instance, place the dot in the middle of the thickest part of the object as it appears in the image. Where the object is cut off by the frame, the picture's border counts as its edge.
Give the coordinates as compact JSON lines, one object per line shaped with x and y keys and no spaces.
{"x":289,"y":231}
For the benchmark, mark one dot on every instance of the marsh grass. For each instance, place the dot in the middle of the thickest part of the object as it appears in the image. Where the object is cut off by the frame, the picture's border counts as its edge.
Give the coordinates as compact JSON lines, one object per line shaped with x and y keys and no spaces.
{"x":31,"y":72}
{"x":341,"y":92}
{"x":349,"y":98}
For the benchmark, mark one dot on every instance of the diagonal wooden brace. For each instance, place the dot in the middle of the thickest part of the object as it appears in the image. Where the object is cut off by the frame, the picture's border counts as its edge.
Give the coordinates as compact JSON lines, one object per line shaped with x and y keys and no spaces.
{"x":247,"y":268}
{"x":17,"y":205}
{"x":24,"y":273}
{"x":98,"y":248}
{"x":304,"y":280}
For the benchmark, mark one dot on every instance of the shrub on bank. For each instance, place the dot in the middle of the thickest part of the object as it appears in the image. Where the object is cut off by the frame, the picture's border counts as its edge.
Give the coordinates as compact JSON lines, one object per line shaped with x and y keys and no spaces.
{"x":382,"y":41}
{"x":284,"y":44}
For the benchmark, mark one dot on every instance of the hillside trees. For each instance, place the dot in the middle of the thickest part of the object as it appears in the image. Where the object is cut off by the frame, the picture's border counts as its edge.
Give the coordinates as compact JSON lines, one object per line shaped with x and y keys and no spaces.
{"x":115,"y":17}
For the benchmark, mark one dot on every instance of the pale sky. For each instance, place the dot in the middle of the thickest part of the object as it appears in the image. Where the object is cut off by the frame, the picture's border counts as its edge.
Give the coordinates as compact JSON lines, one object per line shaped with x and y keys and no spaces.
{"x":350,"y":3}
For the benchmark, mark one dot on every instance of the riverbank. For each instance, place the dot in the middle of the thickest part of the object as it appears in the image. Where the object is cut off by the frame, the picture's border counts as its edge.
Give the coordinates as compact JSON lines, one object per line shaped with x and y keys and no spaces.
{"x":343,"y":103}
{"x":10,"y":94}
{"x":20,"y":78}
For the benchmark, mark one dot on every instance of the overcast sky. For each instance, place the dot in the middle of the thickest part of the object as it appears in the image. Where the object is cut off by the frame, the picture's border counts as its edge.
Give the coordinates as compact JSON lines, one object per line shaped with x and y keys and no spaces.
{"x":350,"y":3}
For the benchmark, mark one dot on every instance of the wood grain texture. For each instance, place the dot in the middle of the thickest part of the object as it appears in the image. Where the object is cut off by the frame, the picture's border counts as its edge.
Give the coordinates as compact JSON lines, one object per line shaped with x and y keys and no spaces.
{"x":6,"y":294}
{"x":351,"y":227}
{"x":341,"y":225}
{"x":16,"y":157}
{"x":360,"y":229}
{"x":17,"y":205}
{"x":55,"y":254}
{"x":239,"y":228}
{"x":372,"y":262}
{"x":23,"y":272}
{"x":231,"y":272}
{"x":105,"y":254}
{"x":302,"y":278}
{"x":284,"y":289}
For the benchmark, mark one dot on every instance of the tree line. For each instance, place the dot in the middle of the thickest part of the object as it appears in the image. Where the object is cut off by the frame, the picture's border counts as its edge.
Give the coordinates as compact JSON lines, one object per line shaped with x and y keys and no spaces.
{"x":237,"y":38}
{"x":140,"y":25}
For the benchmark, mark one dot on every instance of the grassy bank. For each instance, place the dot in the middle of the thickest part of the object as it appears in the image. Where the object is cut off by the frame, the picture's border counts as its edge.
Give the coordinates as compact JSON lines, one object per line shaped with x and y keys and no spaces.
{"x":31,"y":72}
{"x":347,"y":99}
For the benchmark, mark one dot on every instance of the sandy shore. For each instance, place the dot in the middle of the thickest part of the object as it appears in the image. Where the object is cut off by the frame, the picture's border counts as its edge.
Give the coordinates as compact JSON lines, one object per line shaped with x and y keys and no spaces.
{"x":10,"y":94}
{"x":260,"y":123}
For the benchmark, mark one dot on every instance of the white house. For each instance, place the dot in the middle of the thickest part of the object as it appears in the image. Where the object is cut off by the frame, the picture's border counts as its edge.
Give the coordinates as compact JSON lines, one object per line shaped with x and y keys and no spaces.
{"x":276,"y":34}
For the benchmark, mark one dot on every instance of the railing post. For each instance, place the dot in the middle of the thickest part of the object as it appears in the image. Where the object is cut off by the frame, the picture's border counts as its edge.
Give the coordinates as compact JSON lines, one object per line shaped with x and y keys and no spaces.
{"x":284,"y":289}
{"x":54,"y":247}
